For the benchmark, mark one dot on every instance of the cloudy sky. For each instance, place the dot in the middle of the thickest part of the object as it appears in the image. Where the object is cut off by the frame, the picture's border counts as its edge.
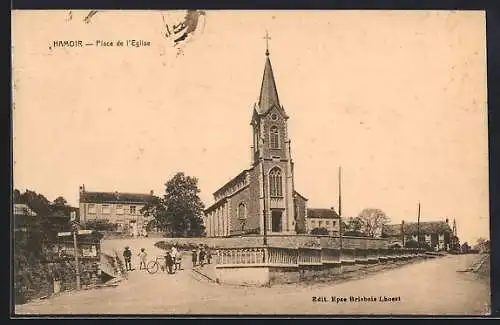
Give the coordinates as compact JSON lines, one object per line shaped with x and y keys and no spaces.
{"x":398,"y":99}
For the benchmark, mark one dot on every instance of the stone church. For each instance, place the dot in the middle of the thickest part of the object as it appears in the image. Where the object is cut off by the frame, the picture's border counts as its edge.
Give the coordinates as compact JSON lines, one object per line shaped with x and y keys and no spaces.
{"x":266,"y":190}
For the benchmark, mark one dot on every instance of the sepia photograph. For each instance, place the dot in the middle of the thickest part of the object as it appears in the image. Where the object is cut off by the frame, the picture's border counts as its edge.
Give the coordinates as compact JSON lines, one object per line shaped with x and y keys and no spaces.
{"x":218,"y":162}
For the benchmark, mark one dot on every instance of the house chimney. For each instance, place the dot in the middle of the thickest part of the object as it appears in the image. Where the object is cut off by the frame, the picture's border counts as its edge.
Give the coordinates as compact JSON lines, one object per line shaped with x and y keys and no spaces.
{"x":151,"y":192}
{"x":447,"y":221}
{"x":117,"y":195}
{"x":82,"y":188}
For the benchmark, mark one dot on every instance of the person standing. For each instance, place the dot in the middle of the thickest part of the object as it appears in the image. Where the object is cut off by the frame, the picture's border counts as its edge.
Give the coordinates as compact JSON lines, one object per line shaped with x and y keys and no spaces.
{"x":127,"y":256}
{"x":169,"y":262}
{"x":194,"y":257}
{"x":201,"y":259}
{"x":173,"y":254}
{"x":209,"y":254}
{"x":142,"y":257}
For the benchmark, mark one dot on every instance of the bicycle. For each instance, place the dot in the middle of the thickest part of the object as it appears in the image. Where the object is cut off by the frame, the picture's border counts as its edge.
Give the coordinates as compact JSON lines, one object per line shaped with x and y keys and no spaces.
{"x":158,"y":263}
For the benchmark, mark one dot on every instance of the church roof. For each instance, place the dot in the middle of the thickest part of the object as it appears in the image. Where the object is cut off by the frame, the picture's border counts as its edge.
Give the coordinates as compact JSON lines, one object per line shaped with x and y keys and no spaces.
{"x":268,"y":91}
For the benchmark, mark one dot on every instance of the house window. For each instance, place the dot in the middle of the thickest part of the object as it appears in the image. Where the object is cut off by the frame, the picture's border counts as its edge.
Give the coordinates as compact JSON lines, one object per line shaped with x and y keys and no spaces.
{"x":132,"y":209}
{"x":105,"y":209}
{"x":276,"y":182}
{"x":327,"y":223}
{"x":275,"y":137}
{"x":92,"y":208}
{"x":320,"y":223}
{"x":242,"y":211}
{"x":119,"y":209}
{"x":334,"y":223}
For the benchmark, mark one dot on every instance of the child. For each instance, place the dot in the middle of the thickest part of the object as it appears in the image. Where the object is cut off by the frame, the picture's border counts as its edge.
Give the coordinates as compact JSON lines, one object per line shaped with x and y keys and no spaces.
{"x":142,"y":256}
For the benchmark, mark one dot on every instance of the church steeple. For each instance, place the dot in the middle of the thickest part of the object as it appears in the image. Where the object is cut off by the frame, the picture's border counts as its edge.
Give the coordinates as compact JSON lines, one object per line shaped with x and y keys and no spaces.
{"x":268,"y":92}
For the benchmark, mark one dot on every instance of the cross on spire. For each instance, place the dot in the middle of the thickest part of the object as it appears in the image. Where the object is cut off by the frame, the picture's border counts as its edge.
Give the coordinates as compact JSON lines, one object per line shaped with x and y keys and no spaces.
{"x":267,"y":38}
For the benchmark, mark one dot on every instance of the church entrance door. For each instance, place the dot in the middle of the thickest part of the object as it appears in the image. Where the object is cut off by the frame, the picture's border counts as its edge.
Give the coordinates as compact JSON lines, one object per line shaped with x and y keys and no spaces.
{"x":276,"y":216}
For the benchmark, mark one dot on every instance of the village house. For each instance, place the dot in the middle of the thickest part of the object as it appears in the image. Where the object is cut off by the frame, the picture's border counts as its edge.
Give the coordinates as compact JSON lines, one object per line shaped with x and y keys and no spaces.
{"x":120,"y":209}
{"x":437,"y":234}
{"x":323,"y":218}
{"x":263,"y":195}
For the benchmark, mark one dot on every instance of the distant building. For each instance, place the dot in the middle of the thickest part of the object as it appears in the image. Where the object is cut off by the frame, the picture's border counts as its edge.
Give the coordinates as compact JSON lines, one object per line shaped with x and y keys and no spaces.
{"x":438,"y":234}
{"x":323,"y":218}
{"x":23,"y":217}
{"x":121,"y":209}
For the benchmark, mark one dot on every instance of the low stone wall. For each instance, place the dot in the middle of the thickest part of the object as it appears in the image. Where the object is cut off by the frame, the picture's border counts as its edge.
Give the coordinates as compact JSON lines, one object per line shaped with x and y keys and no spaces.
{"x":285,"y":241}
{"x":271,"y":265}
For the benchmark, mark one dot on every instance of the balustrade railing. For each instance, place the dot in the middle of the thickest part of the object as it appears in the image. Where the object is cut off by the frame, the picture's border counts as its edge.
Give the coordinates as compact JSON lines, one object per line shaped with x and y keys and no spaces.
{"x":282,"y":256}
{"x":278,"y":256}
{"x":310,"y":256}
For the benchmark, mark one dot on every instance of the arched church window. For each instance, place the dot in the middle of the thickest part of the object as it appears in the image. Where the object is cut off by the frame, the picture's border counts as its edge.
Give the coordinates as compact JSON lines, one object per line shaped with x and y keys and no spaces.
{"x":242,"y":211}
{"x":275,"y":137}
{"x":276,"y":182}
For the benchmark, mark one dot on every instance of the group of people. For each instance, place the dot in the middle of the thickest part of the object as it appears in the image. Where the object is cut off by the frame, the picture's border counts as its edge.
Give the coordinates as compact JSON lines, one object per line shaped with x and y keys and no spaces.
{"x":198,"y":255}
{"x":173,"y":258}
{"x":127,"y":256}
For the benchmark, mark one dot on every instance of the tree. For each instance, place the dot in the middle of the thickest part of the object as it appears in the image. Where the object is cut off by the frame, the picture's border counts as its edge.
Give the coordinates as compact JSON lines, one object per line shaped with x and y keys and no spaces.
{"x":319,"y":231}
{"x":353,"y":225}
{"x":180,"y":211}
{"x":372,"y":221}
{"x":60,"y":201}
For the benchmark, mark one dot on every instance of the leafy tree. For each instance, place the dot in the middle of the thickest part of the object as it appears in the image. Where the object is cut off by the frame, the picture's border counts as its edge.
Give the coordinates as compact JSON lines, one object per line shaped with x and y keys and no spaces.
{"x":37,"y":202}
{"x":353,"y":225}
{"x":319,"y":231}
{"x":60,"y":201}
{"x":180,"y":211}
{"x":372,"y":221}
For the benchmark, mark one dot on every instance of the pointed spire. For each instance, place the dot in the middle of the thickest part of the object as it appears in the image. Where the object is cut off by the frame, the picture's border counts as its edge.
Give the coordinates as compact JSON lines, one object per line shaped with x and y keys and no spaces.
{"x":268,"y":92}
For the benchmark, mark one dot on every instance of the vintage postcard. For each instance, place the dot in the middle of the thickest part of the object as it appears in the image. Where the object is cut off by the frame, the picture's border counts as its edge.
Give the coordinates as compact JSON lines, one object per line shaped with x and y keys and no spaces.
{"x":250,"y":162}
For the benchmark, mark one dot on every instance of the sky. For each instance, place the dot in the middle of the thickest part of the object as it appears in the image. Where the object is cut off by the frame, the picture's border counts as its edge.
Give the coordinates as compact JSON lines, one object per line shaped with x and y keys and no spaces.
{"x":397,"y":98}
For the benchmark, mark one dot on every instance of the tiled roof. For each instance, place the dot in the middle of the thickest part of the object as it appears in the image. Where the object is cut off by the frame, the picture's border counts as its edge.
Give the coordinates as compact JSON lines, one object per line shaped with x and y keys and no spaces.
{"x":235,"y":180}
{"x":322,"y":213}
{"x":114,"y":197}
{"x":411,"y":228}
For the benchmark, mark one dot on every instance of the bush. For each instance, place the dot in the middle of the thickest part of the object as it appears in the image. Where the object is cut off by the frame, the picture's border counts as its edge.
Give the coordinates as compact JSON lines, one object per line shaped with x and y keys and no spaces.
{"x":414,"y":244}
{"x":319,"y":231}
{"x":100,"y":225}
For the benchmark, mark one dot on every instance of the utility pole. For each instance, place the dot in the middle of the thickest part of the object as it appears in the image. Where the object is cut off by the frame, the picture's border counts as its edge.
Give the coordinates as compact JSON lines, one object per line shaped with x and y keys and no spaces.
{"x":264,"y":211}
{"x":340,"y":207}
{"x":77,"y":263}
{"x":403,"y":233}
{"x":418,"y":226}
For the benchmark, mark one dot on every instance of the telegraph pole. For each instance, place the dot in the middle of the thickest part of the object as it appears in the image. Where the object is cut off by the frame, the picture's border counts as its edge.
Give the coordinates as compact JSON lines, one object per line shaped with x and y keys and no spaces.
{"x":77,"y":263}
{"x":418,"y":226}
{"x":264,"y":211}
{"x":340,"y":207}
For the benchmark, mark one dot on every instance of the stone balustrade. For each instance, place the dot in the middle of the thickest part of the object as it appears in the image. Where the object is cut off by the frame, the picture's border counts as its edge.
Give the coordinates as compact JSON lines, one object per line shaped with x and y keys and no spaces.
{"x":266,"y":265}
{"x":293,"y":257}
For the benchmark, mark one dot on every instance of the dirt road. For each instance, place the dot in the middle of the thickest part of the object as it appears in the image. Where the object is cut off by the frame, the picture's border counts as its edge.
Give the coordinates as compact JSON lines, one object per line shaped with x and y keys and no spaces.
{"x":431,"y":287}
